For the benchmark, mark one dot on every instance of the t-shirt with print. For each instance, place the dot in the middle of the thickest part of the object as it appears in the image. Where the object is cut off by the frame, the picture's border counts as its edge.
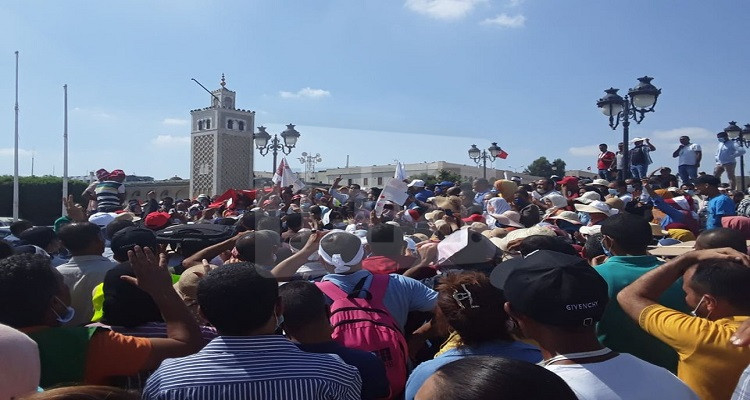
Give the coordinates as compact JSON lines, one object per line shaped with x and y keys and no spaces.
{"x":709,"y":363}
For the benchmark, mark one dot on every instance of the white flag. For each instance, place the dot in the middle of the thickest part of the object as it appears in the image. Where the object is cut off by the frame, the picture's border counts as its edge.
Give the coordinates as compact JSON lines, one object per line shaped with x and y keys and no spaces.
{"x":400,"y":173}
{"x":286,"y":177}
{"x":395,"y":191}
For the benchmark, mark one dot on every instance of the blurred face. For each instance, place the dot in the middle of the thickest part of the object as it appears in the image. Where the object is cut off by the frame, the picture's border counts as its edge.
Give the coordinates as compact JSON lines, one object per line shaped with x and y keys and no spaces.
{"x":685,"y":140}
{"x":602,"y":147}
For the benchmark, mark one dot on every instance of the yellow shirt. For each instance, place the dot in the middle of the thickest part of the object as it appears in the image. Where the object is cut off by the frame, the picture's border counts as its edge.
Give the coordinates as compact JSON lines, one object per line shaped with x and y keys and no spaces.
{"x":709,"y":363}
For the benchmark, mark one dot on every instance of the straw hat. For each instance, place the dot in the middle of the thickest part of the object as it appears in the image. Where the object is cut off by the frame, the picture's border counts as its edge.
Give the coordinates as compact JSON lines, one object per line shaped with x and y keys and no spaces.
{"x":596,"y":207}
{"x":588,"y":197}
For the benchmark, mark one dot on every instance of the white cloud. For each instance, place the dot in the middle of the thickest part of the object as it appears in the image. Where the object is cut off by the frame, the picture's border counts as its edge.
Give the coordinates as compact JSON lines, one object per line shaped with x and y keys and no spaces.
{"x":8,"y":152}
{"x":692,"y":132}
{"x":171,"y":141}
{"x":175,"y":121}
{"x":515,"y":3}
{"x":584,"y":151}
{"x":443,"y":9}
{"x":308,"y":93}
{"x":506,"y":21}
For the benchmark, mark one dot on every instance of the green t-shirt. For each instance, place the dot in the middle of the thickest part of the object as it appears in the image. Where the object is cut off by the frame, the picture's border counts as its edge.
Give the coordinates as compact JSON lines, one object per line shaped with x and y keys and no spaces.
{"x":617,"y":330}
{"x":62,"y":352}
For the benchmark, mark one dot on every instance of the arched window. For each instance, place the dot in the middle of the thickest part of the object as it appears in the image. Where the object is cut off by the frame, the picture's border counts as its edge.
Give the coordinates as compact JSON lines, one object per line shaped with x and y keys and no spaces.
{"x":200,"y":125}
{"x":208,"y":124}
{"x":230,"y":124}
{"x":241,"y":125}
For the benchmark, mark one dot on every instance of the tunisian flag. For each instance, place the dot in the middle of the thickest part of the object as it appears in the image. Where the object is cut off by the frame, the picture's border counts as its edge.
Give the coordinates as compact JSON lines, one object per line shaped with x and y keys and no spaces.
{"x":285,"y":177}
{"x":502,"y":154}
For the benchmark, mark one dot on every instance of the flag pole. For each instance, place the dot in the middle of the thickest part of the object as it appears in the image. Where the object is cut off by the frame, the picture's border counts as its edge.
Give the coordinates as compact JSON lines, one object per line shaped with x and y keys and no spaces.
{"x":65,"y":151}
{"x":15,"y":153}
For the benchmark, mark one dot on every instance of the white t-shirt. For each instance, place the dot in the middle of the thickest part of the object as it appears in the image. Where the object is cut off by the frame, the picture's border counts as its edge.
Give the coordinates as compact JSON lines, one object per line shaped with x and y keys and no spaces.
{"x":623,"y":377}
{"x":688,"y":154}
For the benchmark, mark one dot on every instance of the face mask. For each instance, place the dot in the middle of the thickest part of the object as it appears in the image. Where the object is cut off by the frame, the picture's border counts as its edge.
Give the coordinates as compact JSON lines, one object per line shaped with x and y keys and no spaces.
{"x":722,"y":140}
{"x":613,"y":192}
{"x":369,"y":205}
{"x":520,"y":202}
{"x":691,"y":192}
{"x":279,"y":321}
{"x":340,"y":225}
{"x":70,"y":312}
{"x":584,"y":217}
{"x":695,"y":310}
{"x":630,"y":189}
{"x":606,"y":250}
{"x":541,"y":191}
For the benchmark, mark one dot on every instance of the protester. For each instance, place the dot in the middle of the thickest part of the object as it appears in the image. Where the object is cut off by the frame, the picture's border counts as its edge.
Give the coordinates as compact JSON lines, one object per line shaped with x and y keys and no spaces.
{"x":640,"y":158}
{"x":726,"y":158}
{"x":472,"y":308}
{"x":625,"y":240}
{"x":665,"y":179}
{"x":721,"y":237}
{"x":556,"y":300}
{"x":306,"y":324}
{"x":618,"y":167}
{"x":386,"y":244}
{"x":688,"y":159}
{"x":86,"y":268}
{"x":715,"y":283}
{"x":719,"y":204}
{"x":482,"y":377}
{"x":604,"y":161}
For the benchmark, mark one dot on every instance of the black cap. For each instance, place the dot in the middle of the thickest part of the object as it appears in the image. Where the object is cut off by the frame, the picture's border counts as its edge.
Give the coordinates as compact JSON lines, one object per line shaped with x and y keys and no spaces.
{"x":553,"y":288}
{"x":127,"y":238}
{"x":38,"y":236}
{"x":708,"y":179}
{"x":124,"y":303}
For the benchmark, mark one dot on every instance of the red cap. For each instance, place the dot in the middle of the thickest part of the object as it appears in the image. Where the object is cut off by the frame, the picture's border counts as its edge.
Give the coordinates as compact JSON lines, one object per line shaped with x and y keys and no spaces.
{"x":473,"y":218}
{"x":156,"y":220}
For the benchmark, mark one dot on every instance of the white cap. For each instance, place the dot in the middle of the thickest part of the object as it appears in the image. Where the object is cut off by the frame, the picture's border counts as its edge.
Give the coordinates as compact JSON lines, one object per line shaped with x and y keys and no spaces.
{"x":417,"y":183}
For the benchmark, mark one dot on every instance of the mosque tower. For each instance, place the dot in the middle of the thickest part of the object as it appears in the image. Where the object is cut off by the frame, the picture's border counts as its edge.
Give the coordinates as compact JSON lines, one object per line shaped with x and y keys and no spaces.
{"x":221,"y":145}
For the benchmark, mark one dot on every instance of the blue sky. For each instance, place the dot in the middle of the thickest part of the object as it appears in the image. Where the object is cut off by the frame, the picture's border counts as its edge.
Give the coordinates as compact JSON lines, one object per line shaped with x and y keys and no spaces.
{"x":415,"y":80}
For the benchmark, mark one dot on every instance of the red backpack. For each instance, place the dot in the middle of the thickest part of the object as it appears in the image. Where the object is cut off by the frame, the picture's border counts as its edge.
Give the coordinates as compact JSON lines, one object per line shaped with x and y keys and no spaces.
{"x":365,"y":324}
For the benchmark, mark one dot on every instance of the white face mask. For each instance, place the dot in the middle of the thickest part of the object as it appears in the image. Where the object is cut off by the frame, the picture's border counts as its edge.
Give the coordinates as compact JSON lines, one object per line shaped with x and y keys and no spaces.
{"x":70,"y":312}
{"x":630,"y":189}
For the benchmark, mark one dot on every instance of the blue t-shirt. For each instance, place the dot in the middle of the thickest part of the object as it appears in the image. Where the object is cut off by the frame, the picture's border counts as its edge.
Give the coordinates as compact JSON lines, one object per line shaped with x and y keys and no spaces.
{"x":374,"y":379}
{"x":497,"y":348}
{"x":403,"y":294}
{"x":719,"y":206}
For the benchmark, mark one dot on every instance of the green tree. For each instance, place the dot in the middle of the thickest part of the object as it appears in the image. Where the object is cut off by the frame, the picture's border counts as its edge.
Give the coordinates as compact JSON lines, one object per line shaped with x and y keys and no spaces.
{"x":558,"y":167}
{"x":445,"y":175}
{"x":428,"y":179}
{"x":39,"y":198}
{"x":540,"y":167}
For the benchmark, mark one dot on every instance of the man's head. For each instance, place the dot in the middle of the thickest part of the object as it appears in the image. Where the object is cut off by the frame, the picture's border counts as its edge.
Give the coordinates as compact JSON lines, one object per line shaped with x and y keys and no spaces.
{"x":43,"y":237}
{"x":722,"y":136}
{"x":707,"y":185}
{"x":19,"y":226}
{"x":305,"y":309}
{"x":684,"y":140}
{"x":385,"y":240}
{"x":638,"y":142}
{"x":665,"y":171}
{"x":126,"y":239}
{"x":240,"y":299}
{"x":31,"y":291}
{"x":721,"y":237}
{"x":82,"y":238}
{"x":124,"y":303}
{"x":621,"y":146}
{"x":717,"y":289}
{"x":603,"y":147}
{"x":626,"y":234}
{"x":341,"y":252}
{"x":550,"y":290}
{"x":480,"y":185}
{"x":544,"y":185}
{"x":258,"y":247}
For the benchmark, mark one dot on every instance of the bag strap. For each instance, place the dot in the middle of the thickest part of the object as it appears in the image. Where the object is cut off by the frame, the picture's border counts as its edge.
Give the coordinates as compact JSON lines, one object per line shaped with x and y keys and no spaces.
{"x":378,"y":287}
{"x":331,"y":290}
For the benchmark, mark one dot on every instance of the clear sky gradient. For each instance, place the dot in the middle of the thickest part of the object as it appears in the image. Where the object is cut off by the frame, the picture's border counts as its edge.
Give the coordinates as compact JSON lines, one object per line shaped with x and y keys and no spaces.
{"x":378,"y":80}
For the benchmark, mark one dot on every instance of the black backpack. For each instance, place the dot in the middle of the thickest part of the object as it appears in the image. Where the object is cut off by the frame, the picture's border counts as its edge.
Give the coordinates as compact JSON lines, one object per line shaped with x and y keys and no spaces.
{"x":202,"y":235}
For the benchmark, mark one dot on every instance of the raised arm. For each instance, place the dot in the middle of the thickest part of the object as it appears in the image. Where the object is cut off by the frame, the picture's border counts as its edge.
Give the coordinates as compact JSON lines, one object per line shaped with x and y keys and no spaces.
{"x":211,"y":251}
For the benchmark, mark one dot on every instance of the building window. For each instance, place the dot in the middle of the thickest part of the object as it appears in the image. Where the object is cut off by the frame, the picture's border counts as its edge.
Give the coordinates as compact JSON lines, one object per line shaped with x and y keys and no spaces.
{"x":208,"y":124}
{"x":230,"y":124}
{"x":200,"y":125}
{"x":241,"y":125}
{"x":380,"y":180}
{"x":364,"y":181}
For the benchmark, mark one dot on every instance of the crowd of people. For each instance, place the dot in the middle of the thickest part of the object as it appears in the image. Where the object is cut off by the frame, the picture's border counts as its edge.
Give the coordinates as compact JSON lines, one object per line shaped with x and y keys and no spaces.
{"x":562,"y":287}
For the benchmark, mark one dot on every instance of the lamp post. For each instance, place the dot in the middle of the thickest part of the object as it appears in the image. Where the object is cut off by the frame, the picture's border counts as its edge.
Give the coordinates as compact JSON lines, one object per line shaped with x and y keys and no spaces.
{"x":476,"y":155}
{"x":738,"y":135}
{"x":640,"y":100}
{"x":262,"y":138}
{"x":309,"y":161}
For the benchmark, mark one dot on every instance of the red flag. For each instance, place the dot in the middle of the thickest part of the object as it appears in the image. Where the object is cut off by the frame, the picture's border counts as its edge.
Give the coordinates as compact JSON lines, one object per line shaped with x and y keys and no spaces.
{"x":502,"y":154}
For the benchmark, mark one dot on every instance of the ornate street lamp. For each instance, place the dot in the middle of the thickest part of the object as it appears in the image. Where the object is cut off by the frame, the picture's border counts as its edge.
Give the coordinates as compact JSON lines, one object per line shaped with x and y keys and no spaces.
{"x":738,"y":135}
{"x":309,"y":160}
{"x":262,"y":138}
{"x":640,"y":100}
{"x":477,"y":155}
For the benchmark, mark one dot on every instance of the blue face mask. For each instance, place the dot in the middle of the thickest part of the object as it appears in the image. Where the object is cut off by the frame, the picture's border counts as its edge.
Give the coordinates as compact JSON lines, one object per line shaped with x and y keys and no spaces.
{"x":606,"y":250}
{"x":613,"y":192}
{"x":584,"y":217}
{"x":70,"y":312}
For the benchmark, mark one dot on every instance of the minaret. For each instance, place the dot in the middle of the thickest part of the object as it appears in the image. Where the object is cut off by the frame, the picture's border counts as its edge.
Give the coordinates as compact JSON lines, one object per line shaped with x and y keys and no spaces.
{"x":221,"y":145}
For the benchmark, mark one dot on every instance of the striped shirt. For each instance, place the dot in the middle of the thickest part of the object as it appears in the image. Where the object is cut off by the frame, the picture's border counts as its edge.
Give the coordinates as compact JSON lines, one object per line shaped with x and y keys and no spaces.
{"x":254,"y":367}
{"x":108,"y":195}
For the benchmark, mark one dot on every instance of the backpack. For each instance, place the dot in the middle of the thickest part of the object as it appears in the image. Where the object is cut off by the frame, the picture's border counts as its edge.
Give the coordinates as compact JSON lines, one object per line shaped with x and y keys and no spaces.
{"x":365,"y":324}
{"x":637,"y":157}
